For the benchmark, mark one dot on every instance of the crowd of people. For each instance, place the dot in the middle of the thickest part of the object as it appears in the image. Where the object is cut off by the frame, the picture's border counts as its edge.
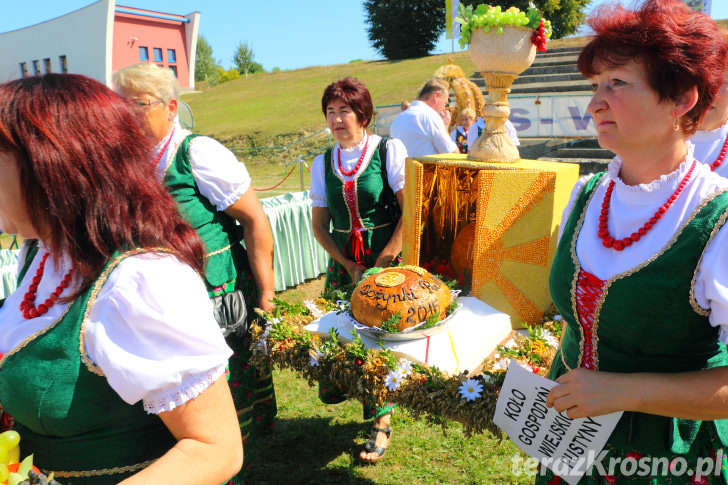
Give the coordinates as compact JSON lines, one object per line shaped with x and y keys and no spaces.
{"x":137,"y":281}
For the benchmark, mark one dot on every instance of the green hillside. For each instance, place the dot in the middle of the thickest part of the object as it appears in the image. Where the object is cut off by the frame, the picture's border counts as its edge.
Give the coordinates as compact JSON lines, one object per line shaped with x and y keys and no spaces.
{"x":266,"y":106}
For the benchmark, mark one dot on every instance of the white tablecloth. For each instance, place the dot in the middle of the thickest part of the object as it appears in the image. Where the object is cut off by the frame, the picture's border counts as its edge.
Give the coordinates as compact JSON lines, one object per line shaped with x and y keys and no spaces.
{"x":472,"y":334}
{"x":8,"y":271}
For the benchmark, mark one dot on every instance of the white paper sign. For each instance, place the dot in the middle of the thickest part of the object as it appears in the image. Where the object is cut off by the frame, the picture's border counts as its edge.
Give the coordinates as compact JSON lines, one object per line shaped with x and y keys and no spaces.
{"x":567,"y":446}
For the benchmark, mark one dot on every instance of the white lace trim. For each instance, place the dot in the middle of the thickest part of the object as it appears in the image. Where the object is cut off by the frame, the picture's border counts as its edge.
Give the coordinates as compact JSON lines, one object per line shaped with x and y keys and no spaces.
{"x":358,"y":147}
{"x":190,"y":388}
{"x":665,"y":180}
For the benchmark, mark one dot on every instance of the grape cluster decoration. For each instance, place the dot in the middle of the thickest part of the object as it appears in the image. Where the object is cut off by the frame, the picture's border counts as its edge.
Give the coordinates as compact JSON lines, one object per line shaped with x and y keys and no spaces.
{"x":489,"y":17}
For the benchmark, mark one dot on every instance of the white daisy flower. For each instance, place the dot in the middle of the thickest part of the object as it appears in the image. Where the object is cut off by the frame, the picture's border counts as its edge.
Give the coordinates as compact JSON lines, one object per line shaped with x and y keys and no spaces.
{"x":470,"y":389}
{"x":551,"y":341}
{"x":502,"y":364}
{"x":404,"y":368}
{"x":275,"y":320}
{"x":392,"y":380}
{"x":314,"y":357}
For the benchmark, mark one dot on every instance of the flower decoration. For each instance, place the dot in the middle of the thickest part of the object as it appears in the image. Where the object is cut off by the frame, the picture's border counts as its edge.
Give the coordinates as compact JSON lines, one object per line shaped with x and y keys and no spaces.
{"x":404,"y":368}
{"x":315,"y":356}
{"x":470,"y":389}
{"x":392,"y":380}
{"x":313,"y":309}
{"x":488,"y":17}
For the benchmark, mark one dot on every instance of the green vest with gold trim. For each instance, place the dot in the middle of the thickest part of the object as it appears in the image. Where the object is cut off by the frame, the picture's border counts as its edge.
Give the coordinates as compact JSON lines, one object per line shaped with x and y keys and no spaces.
{"x":648,"y":320}
{"x":67,"y":415}
{"x":221,"y":234}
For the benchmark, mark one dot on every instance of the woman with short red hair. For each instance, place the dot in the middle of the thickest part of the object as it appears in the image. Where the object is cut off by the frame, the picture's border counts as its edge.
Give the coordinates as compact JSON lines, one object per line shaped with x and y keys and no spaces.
{"x":640,"y":275}
{"x":355,"y":187}
{"x":111,"y":361}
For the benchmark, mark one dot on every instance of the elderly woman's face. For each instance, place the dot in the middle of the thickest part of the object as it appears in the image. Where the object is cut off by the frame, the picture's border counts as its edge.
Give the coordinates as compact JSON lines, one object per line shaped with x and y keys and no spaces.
{"x":718,"y":112}
{"x":627,"y":112}
{"x":343,"y":123}
{"x":13,"y":214}
{"x":160,"y":115}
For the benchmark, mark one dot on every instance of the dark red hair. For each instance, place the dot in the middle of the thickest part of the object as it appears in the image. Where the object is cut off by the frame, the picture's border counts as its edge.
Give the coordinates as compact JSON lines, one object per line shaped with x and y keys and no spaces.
{"x":678,"y":46}
{"x":354,"y":94}
{"x":86,"y":172}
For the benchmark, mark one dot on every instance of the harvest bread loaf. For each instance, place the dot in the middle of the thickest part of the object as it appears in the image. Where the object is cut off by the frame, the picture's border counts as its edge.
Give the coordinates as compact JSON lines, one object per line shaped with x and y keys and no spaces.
{"x":410,"y":290}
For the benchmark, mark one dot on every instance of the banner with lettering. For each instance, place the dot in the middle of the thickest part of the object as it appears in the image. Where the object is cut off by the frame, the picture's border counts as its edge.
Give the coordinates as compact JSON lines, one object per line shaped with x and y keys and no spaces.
{"x":547,"y":116}
{"x":567,"y":446}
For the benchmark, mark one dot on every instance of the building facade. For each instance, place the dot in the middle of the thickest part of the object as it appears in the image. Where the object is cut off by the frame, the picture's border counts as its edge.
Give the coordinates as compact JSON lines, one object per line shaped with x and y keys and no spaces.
{"x":100,"y":38}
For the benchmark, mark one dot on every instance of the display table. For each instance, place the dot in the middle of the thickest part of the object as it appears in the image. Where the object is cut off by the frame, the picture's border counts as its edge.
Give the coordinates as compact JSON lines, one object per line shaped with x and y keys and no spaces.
{"x":297,"y":255}
{"x":8,"y":271}
{"x":471,"y":335}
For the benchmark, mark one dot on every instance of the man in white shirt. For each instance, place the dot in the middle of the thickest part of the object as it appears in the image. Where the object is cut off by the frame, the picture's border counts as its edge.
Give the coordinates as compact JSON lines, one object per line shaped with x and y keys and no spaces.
{"x":420,"y":127}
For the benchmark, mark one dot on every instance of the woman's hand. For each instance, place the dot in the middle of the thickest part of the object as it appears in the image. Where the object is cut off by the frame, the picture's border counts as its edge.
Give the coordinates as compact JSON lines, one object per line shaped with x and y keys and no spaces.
{"x":585,"y":393}
{"x":264,"y":301}
{"x":384,"y":261}
{"x":355,"y":270}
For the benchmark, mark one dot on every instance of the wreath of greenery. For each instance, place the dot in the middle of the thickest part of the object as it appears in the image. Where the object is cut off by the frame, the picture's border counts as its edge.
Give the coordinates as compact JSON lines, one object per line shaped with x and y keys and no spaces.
{"x":375,"y":375}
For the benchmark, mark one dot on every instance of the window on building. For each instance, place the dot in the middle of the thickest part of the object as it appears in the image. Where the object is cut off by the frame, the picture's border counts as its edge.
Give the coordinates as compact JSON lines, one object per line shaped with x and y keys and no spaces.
{"x":143,"y":53}
{"x":63,"y":63}
{"x":36,"y":67}
{"x":47,"y":64}
{"x":171,"y":56}
{"x":173,"y":69}
{"x":24,"y":69}
{"x":157,"y":54}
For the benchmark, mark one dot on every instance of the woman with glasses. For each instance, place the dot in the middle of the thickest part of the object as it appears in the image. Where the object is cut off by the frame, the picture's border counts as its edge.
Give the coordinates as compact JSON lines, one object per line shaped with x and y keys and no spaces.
{"x":214,"y":193}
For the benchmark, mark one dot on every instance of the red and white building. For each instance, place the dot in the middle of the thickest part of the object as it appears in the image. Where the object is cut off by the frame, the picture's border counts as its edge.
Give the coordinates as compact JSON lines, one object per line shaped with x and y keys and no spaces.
{"x":98,"y":39}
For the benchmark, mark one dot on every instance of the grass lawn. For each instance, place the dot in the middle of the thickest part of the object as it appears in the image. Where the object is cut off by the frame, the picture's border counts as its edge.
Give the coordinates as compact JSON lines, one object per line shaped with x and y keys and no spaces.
{"x":318,"y":443}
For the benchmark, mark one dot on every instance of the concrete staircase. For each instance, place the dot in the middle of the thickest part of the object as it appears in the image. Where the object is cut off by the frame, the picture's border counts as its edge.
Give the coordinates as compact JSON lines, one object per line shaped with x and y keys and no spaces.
{"x":555,"y":72}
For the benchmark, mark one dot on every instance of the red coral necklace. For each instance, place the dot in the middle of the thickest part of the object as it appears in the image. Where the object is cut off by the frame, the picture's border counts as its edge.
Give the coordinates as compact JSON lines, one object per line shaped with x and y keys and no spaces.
{"x":719,"y":161}
{"x":27,"y":306}
{"x":349,"y":173}
{"x":166,"y":144}
{"x":619,"y":244}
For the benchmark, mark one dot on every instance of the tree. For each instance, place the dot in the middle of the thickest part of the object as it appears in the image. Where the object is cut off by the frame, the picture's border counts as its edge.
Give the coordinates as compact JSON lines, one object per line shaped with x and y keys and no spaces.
{"x":243,"y":58}
{"x":205,"y":64}
{"x":402,"y":29}
{"x":565,"y":15}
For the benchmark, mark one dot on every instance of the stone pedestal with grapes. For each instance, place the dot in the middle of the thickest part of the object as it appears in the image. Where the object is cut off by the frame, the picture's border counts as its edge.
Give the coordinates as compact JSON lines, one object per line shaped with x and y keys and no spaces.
{"x":502,"y":45}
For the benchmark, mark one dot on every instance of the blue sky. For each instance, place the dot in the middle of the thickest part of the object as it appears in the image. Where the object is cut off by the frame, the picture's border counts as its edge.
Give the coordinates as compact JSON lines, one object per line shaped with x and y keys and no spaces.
{"x":292,"y":34}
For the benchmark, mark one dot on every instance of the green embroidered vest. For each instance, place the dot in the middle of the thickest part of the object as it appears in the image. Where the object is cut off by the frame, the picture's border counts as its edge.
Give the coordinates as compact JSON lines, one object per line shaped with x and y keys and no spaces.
{"x":220,"y":232}
{"x":67,"y":415}
{"x":369,"y":205}
{"x":646,"y":321}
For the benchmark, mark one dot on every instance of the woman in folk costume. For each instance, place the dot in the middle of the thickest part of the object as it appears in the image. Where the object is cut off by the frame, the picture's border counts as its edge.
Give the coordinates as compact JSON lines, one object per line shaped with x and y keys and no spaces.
{"x":112,"y":365}
{"x":711,"y":139}
{"x":640,"y":275}
{"x":213,"y":191}
{"x":354,"y":185}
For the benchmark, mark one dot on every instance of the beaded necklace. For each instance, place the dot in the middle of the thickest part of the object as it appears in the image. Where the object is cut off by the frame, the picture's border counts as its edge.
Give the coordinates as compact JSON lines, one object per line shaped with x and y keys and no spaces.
{"x":349,"y":173}
{"x":166,"y":144}
{"x":619,"y":244}
{"x":719,"y":161}
{"x":27,"y":306}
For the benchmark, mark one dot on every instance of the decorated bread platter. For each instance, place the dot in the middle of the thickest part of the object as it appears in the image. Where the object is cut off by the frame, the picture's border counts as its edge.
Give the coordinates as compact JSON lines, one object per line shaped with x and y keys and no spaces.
{"x":400,"y":303}
{"x":420,"y":330}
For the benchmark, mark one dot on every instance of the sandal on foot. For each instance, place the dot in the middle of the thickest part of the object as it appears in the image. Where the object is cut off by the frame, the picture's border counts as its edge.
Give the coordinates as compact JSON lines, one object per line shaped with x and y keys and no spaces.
{"x":371,"y":445}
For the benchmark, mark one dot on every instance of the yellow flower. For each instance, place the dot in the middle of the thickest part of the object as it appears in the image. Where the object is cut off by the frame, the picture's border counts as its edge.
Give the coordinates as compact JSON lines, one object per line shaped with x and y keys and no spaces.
{"x":538,"y":347}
